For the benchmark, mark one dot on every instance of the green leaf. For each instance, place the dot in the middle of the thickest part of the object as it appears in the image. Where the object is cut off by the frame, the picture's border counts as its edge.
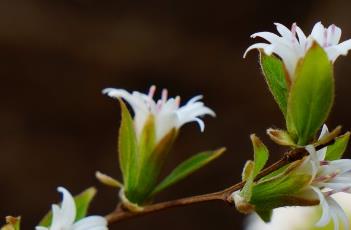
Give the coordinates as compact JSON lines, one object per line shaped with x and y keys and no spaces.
{"x":127,"y":144}
{"x":249,"y":170}
{"x":311,"y":95}
{"x":188,"y":167}
{"x":252,"y":169}
{"x":82,"y":201}
{"x":261,"y":154}
{"x":337,"y":149}
{"x":274,"y":72}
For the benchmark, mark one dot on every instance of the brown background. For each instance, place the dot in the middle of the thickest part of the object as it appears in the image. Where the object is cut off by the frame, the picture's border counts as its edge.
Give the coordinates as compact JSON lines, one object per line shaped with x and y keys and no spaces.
{"x":57,"y":129}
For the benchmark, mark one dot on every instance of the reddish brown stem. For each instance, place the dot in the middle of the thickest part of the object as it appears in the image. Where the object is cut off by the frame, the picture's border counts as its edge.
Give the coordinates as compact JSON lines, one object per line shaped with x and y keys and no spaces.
{"x":225,"y":195}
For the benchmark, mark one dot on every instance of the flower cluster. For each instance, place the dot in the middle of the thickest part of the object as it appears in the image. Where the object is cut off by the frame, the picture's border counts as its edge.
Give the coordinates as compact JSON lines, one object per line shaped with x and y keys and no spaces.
{"x":327,"y":178}
{"x":167,"y":111}
{"x":311,"y":173}
{"x":293,"y":44}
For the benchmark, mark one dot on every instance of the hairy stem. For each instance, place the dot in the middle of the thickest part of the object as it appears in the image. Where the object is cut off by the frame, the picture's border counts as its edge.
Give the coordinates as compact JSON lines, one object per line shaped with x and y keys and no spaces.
{"x":225,"y":195}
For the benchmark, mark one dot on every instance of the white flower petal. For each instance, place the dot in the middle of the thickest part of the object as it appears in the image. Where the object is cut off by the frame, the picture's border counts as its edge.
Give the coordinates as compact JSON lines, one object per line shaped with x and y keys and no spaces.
{"x":267,"y":48}
{"x":68,"y":207}
{"x":90,"y":223}
{"x":326,"y":215}
{"x":167,"y":112}
{"x":318,"y":33}
{"x":40,"y":228}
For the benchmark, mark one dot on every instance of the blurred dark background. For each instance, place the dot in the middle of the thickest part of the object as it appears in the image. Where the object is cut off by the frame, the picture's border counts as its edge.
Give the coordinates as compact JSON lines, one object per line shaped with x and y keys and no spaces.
{"x":57,"y":129}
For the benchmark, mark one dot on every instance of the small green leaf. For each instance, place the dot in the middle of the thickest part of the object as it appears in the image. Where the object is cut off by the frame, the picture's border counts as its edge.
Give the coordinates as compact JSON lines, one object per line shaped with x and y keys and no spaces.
{"x":253,"y":168}
{"x":246,"y":191}
{"x":127,"y":144}
{"x":82,"y":201}
{"x":281,"y":137}
{"x":337,"y":149}
{"x":13,"y":223}
{"x":311,"y":95}
{"x":261,"y":154}
{"x":107,"y":180}
{"x":188,"y":167}
{"x":248,"y":170}
{"x":273,"y":70}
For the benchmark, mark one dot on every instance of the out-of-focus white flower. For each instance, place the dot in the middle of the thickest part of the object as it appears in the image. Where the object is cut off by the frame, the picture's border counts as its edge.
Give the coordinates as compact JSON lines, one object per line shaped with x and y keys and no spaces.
{"x":167,"y":112}
{"x":63,"y":217}
{"x":296,"y":218}
{"x":328,"y":178}
{"x":293,"y":44}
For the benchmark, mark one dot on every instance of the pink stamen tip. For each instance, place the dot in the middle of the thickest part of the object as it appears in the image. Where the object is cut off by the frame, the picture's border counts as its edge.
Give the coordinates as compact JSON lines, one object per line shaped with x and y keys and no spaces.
{"x":152,"y":91}
{"x":164,"y":95}
{"x":293,"y":31}
{"x":324,"y":163}
{"x":177,"y":100}
{"x":159,"y":105}
{"x":293,"y":28}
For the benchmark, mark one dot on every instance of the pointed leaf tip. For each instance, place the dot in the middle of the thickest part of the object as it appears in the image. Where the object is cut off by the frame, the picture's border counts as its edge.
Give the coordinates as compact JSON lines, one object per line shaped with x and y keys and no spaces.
{"x":188,"y":167}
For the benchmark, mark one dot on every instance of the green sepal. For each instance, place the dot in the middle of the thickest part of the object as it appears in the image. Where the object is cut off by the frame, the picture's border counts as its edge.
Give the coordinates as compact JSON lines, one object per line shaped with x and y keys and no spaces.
{"x":142,"y":175}
{"x":149,"y":165}
{"x":281,"y":137}
{"x":127,"y":145}
{"x":12,"y":223}
{"x":188,"y":167}
{"x":311,"y":95}
{"x":337,"y":149}
{"x":82,"y":202}
{"x":276,"y":78}
{"x":265,"y":215}
{"x":108,"y":180}
{"x":281,"y":190}
{"x":252,"y":168}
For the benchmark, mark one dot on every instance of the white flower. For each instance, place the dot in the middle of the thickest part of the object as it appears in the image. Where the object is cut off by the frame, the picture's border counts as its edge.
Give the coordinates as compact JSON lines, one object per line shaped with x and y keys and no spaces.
{"x":295,"y":218}
{"x":63,"y":217}
{"x":293,"y":44}
{"x":167,"y":112}
{"x":328,"y":178}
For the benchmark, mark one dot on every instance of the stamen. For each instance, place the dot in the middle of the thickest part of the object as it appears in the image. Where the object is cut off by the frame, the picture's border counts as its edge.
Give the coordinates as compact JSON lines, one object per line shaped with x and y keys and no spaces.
{"x":324,"y":163}
{"x":326,"y":177}
{"x":152,"y":91}
{"x":164,"y":95}
{"x":159,"y":105}
{"x":177,"y":100}
{"x":293,"y":31}
{"x":345,"y":189}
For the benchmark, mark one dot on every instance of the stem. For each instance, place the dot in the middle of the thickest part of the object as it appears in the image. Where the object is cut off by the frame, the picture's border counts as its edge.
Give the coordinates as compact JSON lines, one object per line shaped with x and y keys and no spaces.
{"x":225,"y":195}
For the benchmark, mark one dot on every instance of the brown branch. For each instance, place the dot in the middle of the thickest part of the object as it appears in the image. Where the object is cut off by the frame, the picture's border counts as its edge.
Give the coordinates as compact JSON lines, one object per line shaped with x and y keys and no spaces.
{"x":225,"y":195}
